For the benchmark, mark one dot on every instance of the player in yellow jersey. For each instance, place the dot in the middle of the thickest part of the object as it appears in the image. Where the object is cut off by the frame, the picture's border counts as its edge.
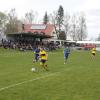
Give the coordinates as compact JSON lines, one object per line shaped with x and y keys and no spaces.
{"x":43,"y":58}
{"x":93,"y":51}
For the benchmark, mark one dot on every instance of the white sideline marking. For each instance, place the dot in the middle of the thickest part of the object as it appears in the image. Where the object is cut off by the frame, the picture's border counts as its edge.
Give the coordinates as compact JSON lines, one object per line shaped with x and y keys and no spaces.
{"x":13,"y":85}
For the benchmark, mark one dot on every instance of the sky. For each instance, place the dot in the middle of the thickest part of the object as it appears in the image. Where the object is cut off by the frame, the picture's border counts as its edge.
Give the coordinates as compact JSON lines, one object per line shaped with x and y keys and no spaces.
{"x":91,"y":8}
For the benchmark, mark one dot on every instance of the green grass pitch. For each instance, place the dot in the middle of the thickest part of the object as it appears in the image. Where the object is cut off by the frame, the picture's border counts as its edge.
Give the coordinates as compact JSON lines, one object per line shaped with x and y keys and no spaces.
{"x":78,"y":79}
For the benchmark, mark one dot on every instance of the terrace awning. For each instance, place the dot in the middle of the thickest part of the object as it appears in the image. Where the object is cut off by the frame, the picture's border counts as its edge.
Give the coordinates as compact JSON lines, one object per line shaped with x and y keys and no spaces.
{"x":29,"y":35}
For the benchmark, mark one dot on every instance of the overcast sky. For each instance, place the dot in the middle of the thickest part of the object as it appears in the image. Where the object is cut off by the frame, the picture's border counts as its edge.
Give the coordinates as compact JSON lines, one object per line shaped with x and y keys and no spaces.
{"x":91,"y":8}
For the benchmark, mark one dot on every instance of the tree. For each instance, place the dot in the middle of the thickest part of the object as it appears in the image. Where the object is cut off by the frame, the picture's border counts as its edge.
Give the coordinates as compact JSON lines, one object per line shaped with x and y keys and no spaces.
{"x":30,"y":16}
{"x":98,"y":38}
{"x":62,"y":35}
{"x":59,"y":18}
{"x":46,"y":18}
{"x":79,"y":28}
{"x":12,"y":25}
{"x":74,"y":26}
{"x":67,"y":25}
{"x":82,"y":27}
{"x":3,"y":20}
{"x":52,"y":19}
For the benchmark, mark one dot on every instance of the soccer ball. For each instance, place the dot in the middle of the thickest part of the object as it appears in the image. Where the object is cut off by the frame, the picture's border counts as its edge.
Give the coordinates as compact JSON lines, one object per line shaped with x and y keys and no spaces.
{"x":33,"y":69}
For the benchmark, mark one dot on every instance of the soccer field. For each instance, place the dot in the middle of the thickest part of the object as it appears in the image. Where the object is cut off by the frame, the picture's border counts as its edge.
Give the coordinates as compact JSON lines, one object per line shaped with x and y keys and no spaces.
{"x":78,"y":79}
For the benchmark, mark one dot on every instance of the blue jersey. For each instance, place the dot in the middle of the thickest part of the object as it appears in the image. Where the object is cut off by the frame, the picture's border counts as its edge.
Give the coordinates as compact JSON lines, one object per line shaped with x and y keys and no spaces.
{"x":66,"y":52}
{"x":36,"y":51}
{"x":36,"y":54}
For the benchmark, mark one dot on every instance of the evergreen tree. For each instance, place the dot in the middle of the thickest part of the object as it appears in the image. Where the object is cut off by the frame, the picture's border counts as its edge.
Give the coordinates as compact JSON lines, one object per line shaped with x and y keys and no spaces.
{"x":59,"y":18}
{"x":62,"y":35}
{"x":46,"y":18}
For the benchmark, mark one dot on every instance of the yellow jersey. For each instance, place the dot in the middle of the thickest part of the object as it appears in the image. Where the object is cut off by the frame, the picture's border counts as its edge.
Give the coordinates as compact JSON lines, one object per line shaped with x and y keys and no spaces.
{"x":93,"y":50}
{"x":43,"y":55}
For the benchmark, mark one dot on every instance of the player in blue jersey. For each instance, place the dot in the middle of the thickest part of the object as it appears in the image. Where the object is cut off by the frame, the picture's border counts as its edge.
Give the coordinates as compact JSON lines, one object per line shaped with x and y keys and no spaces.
{"x":66,"y":53}
{"x":36,"y":54}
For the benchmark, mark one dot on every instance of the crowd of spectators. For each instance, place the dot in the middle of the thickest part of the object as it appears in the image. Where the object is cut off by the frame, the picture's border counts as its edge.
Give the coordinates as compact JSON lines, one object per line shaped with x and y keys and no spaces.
{"x":28,"y":45}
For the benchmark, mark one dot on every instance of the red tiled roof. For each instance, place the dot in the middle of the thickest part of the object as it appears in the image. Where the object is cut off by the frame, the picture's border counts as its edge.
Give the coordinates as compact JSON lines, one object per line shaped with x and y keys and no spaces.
{"x":48,"y":29}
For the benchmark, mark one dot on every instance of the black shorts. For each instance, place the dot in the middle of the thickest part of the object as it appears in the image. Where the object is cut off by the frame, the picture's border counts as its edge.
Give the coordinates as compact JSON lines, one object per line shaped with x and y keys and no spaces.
{"x":93,"y":54}
{"x":43,"y":61}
